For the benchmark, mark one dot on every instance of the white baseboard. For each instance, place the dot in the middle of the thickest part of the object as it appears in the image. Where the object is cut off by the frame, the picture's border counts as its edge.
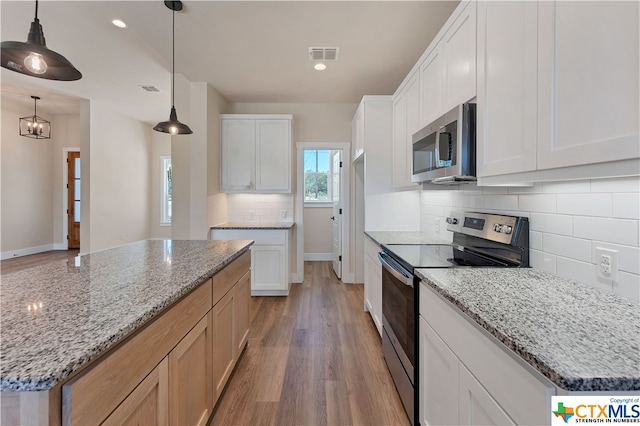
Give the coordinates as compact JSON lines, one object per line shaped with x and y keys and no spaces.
{"x":297,"y":278}
{"x":61,"y":246}
{"x":25,"y":252}
{"x":318,"y":257}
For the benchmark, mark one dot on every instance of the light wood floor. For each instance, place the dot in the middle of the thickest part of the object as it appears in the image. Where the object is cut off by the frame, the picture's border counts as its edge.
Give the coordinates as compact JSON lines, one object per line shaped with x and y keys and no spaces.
{"x":314,"y":358}
{"x":24,"y":262}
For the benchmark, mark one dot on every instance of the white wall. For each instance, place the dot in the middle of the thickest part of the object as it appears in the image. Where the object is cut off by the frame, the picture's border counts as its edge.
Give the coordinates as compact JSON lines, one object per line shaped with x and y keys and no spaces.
{"x":217,"y":207}
{"x":27,"y":186}
{"x":119,"y":178}
{"x":160,"y":147}
{"x":568,"y":220}
{"x":318,"y":233}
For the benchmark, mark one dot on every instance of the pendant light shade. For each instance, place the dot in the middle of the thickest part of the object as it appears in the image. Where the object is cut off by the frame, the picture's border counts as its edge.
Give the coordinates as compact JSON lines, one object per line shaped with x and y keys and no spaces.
{"x":173,"y":126}
{"x":35,"y":127}
{"x":35,"y":59}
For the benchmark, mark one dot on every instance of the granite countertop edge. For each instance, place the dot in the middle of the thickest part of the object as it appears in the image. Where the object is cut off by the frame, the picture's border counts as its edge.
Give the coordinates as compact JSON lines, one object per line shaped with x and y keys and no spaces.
{"x":18,"y":384}
{"x":408,"y":237}
{"x":573,"y":384}
{"x":254,"y":225}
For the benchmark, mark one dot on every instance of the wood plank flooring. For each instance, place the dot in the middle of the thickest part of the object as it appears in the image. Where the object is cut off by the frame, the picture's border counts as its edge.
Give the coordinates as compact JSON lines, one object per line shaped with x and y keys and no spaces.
{"x":314,"y":358}
{"x":24,"y":262}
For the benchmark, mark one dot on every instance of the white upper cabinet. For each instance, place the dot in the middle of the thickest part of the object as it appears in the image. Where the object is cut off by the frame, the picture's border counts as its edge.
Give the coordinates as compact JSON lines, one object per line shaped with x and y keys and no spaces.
{"x":507,"y":87}
{"x":256,"y":153}
{"x":406,"y":121}
{"x":431,"y":87}
{"x":558,"y":86}
{"x":357,"y":132}
{"x":448,"y":72}
{"x":588,"y":87}
{"x":459,"y":54}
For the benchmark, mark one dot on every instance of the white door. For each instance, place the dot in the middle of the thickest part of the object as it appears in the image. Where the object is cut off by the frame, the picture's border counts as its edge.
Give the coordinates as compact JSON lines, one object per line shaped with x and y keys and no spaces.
{"x":337,"y":212}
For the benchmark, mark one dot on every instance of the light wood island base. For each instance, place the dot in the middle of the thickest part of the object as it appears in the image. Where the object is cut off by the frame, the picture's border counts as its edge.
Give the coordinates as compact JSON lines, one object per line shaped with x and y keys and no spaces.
{"x":170,"y":371}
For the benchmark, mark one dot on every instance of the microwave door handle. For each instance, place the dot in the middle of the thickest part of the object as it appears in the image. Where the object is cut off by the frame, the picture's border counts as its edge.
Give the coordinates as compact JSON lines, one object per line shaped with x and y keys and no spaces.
{"x":442,"y":131}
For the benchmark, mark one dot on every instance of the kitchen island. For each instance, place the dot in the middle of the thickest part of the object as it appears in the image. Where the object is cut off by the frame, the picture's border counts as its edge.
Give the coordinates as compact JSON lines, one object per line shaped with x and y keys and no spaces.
{"x":63,"y":320}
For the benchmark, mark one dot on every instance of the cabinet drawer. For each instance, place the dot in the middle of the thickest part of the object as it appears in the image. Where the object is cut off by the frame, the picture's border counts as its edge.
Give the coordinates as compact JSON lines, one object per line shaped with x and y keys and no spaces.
{"x":224,"y":279}
{"x":92,"y":396}
{"x":521,"y":391}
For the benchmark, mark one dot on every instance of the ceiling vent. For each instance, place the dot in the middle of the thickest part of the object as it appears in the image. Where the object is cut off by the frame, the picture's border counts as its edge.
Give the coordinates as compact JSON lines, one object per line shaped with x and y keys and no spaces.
{"x":324,"y":53}
{"x":150,"y":88}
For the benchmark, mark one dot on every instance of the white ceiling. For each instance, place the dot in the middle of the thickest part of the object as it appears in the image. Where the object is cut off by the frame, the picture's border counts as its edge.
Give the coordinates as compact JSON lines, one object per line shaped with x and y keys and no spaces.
{"x":250,"y":51}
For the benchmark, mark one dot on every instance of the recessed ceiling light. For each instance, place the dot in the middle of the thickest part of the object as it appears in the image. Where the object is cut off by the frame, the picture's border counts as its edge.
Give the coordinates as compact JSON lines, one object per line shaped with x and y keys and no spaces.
{"x":118,"y":23}
{"x":320,"y":66}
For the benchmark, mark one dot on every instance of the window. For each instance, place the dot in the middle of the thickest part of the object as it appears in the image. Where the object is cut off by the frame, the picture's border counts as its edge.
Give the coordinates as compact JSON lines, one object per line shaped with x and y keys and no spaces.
{"x":165,"y":194}
{"x":317,"y":176}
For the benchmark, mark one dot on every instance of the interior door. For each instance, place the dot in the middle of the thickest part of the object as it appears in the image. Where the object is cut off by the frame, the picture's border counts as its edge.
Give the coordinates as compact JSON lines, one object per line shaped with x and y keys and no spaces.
{"x":73,"y":199}
{"x":336,"y":170}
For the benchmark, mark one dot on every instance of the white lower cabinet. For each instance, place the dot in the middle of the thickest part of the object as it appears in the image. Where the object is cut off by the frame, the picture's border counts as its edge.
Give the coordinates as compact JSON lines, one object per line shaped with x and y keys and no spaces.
{"x":270,"y":258}
{"x":468,"y":377}
{"x":476,"y":406}
{"x":373,"y":283}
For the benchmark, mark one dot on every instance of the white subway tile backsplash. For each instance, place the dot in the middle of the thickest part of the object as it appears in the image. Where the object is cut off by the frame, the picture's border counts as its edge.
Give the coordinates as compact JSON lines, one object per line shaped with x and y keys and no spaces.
{"x":493,"y":202}
{"x":586,"y":204}
{"x":535,"y":240}
{"x":574,"y":248}
{"x":535,"y":189}
{"x":542,"y":203}
{"x":628,"y":286}
{"x":628,"y":184}
{"x":495,"y":190}
{"x":617,"y":231}
{"x":582,"y":272}
{"x":567,"y":187}
{"x":542,"y":261}
{"x":628,"y":256}
{"x":626,"y":206}
{"x":552,"y":223}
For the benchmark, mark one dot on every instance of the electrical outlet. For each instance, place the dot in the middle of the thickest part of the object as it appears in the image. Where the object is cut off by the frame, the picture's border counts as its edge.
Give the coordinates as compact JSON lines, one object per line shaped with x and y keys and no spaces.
{"x":283,"y":214}
{"x":607,"y":263}
{"x":252,"y":215}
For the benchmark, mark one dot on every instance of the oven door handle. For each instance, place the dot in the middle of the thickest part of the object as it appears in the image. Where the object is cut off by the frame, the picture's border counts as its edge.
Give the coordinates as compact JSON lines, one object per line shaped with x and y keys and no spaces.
{"x":395,"y":269}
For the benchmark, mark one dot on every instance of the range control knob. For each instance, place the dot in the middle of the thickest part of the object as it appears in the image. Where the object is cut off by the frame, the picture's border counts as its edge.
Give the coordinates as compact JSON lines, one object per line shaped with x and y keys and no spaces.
{"x":497,"y":227}
{"x":506,"y":229}
{"x":452,"y":220}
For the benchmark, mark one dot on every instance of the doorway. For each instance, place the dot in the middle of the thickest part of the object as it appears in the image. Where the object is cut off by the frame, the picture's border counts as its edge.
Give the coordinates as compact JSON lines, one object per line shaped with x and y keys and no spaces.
{"x":73,"y":191}
{"x":322,"y":201}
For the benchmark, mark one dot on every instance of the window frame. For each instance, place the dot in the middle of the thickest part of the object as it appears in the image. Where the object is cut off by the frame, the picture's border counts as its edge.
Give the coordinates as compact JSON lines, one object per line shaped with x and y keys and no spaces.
{"x":165,"y":199}
{"x":329,"y":174}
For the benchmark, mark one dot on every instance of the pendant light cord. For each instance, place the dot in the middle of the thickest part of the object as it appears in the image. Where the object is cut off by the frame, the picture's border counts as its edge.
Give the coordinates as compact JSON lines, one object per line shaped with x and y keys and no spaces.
{"x":36,"y":9}
{"x":173,"y":55}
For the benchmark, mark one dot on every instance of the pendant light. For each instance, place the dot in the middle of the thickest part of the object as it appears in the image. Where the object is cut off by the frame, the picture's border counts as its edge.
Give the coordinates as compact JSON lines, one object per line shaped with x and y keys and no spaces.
{"x":33,"y":58}
{"x":173,"y":126}
{"x":33,"y":126}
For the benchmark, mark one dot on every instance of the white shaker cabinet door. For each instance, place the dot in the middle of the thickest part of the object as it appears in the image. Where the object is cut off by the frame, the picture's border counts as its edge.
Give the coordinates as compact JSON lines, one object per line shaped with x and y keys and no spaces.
{"x":406,"y":121}
{"x":477,"y":407}
{"x":238,"y":155}
{"x":269,"y":268}
{"x":459,"y":51}
{"x":507,"y":89}
{"x":438,"y":391}
{"x":273,"y":160}
{"x":431,"y":80}
{"x":588,"y":82}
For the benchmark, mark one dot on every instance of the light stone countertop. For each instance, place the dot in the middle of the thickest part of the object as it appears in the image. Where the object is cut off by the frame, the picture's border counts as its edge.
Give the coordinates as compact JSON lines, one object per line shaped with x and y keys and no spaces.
{"x":409,"y":237}
{"x":580,"y":338}
{"x":57,"y":317}
{"x":254,"y":225}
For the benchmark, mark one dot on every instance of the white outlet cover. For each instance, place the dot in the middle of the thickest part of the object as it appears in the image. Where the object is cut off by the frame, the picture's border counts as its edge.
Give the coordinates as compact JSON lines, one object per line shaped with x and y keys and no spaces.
{"x":602,"y":255}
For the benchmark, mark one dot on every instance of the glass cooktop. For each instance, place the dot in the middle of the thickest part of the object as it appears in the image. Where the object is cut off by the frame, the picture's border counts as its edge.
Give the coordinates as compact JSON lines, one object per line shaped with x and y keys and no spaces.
{"x":435,"y":256}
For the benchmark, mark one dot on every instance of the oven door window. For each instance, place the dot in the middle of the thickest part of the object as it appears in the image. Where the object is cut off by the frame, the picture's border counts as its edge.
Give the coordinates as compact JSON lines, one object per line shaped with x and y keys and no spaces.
{"x":437,"y":150}
{"x":398,"y":307}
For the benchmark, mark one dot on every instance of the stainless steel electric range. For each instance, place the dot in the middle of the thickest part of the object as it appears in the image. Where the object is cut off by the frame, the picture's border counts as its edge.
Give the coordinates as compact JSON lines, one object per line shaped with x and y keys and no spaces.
{"x":479,"y":240}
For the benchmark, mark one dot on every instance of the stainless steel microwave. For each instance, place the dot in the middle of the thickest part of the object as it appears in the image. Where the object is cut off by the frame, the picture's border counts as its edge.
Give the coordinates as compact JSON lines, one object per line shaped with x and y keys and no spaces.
{"x":444,"y":152}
